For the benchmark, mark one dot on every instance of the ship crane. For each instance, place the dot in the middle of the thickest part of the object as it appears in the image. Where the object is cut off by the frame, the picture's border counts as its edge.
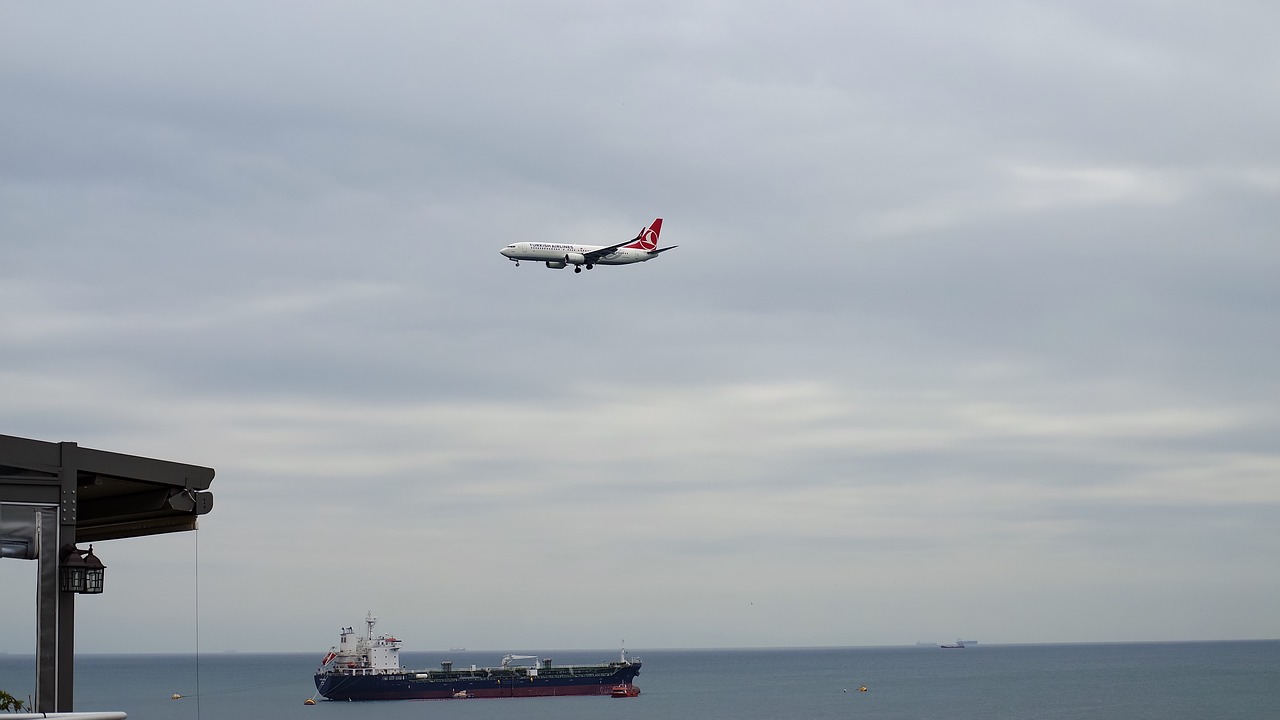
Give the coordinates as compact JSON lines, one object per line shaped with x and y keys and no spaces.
{"x":506,"y":661}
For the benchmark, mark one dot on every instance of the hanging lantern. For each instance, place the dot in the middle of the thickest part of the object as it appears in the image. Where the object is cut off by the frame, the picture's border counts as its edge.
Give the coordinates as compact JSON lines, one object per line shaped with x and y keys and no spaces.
{"x":73,"y":570}
{"x":94,"y":574}
{"x":82,"y":571}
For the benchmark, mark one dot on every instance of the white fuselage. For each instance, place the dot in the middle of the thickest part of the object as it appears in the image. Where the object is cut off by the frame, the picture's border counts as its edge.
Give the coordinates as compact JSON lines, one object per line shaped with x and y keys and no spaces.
{"x":571,"y":254}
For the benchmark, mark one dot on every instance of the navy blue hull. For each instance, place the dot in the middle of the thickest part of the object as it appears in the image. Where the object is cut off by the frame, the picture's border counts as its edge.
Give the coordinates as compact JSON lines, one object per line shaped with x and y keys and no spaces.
{"x":480,"y":683}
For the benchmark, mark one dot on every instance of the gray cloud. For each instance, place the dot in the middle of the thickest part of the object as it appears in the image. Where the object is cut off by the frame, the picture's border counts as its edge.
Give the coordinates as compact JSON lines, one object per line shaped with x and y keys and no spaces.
{"x":969,"y":330}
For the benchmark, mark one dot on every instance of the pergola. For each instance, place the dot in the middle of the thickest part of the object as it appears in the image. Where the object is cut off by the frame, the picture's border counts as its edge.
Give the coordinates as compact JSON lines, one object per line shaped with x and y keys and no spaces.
{"x":54,"y":495}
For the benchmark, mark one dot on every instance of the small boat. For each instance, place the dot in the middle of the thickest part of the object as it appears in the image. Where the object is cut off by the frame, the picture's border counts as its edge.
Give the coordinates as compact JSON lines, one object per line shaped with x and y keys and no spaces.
{"x":952,"y":646}
{"x":623,"y":690}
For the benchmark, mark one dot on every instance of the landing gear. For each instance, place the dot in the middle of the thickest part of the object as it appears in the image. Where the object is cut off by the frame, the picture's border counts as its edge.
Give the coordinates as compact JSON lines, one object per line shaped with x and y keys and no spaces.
{"x":590,"y":266}
{"x":577,"y":268}
{"x":517,"y":263}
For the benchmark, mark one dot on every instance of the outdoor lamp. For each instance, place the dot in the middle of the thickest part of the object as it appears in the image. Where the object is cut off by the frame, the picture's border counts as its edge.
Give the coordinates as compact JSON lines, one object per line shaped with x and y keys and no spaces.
{"x":94,"y":573}
{"x":73,"y":570}
{"x":82,"y":571}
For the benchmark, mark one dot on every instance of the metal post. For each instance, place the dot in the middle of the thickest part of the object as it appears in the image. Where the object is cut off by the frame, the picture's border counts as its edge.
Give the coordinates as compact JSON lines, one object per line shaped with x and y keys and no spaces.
{"x":55,"y":633}
{"x":68,"y":477}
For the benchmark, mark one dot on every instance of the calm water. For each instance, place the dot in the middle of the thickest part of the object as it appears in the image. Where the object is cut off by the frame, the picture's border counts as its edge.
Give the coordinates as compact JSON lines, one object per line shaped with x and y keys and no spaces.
{"x":1217,"y":680}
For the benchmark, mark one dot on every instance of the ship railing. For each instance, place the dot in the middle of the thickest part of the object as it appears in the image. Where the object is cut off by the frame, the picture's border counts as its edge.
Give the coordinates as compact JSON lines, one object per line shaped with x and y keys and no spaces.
{"x":356,"y":671}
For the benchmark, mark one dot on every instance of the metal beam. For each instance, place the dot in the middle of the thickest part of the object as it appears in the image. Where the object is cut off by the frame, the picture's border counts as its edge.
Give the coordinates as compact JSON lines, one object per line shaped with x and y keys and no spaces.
{"x":34,"y":490}
{"x":29,"y":454}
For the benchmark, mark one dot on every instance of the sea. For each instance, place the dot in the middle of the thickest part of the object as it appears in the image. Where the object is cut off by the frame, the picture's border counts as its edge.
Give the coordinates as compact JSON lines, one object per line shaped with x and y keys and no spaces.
{"x":1126,"y":681}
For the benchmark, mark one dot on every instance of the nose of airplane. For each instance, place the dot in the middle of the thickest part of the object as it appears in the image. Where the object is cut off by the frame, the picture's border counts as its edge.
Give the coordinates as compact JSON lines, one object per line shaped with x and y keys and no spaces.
{"x":506,"y":251}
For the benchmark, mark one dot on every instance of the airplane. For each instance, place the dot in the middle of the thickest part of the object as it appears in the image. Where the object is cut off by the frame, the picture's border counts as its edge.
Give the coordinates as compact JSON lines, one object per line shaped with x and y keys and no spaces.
{"x":557,"y":255}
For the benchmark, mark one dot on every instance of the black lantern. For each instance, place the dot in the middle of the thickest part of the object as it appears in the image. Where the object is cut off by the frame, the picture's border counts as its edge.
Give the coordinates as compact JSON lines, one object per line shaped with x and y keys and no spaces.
{"x":73,"y":570}
{"x":82,"y":571}
{"x":94,"y":573}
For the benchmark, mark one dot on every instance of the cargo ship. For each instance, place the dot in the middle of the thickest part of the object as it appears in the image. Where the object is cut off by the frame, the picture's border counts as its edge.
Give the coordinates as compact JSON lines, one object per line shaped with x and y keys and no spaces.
{"x":367,"y":667}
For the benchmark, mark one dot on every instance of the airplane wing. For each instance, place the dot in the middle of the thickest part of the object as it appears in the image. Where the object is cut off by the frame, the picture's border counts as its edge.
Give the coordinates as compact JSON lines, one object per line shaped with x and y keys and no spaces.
{"x":595,"y":255}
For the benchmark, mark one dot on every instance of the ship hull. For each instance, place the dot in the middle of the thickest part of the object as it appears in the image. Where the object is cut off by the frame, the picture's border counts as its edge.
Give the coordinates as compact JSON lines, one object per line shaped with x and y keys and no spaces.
{"x":488,"y":683}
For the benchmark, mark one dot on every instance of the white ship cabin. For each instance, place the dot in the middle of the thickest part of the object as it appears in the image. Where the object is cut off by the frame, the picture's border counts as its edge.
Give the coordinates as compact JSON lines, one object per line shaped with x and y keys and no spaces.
{"x":366,"y":654}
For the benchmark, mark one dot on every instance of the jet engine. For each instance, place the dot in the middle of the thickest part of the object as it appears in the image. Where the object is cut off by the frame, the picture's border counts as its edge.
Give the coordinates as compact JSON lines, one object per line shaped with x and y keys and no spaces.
{"x":555,"y":264}
{"x":575,"y":259}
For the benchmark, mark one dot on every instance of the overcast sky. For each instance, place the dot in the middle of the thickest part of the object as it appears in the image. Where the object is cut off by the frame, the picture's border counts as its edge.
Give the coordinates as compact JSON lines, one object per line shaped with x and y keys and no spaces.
{"x":972,"y":329}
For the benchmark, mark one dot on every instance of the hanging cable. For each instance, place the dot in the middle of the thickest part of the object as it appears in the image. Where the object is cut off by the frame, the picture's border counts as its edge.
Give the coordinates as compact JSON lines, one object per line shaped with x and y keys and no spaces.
{"x":196,"y":564}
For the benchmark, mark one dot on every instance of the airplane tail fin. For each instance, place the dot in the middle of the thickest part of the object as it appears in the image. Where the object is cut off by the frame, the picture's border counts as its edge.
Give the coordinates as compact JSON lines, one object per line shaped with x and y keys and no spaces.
{"x":648,"y":238}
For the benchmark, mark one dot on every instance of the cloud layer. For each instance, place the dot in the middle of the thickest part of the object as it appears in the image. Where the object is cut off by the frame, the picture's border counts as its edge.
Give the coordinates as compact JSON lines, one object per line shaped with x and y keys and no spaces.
{"x":970,"y":331}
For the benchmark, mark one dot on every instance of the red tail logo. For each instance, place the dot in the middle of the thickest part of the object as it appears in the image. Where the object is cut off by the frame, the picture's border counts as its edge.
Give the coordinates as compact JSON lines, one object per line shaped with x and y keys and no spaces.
{"x":648,"y":238}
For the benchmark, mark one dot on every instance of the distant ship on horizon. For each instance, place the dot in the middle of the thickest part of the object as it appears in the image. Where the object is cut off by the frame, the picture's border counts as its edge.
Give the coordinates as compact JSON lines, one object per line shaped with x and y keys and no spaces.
{"x":957,"y":644}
